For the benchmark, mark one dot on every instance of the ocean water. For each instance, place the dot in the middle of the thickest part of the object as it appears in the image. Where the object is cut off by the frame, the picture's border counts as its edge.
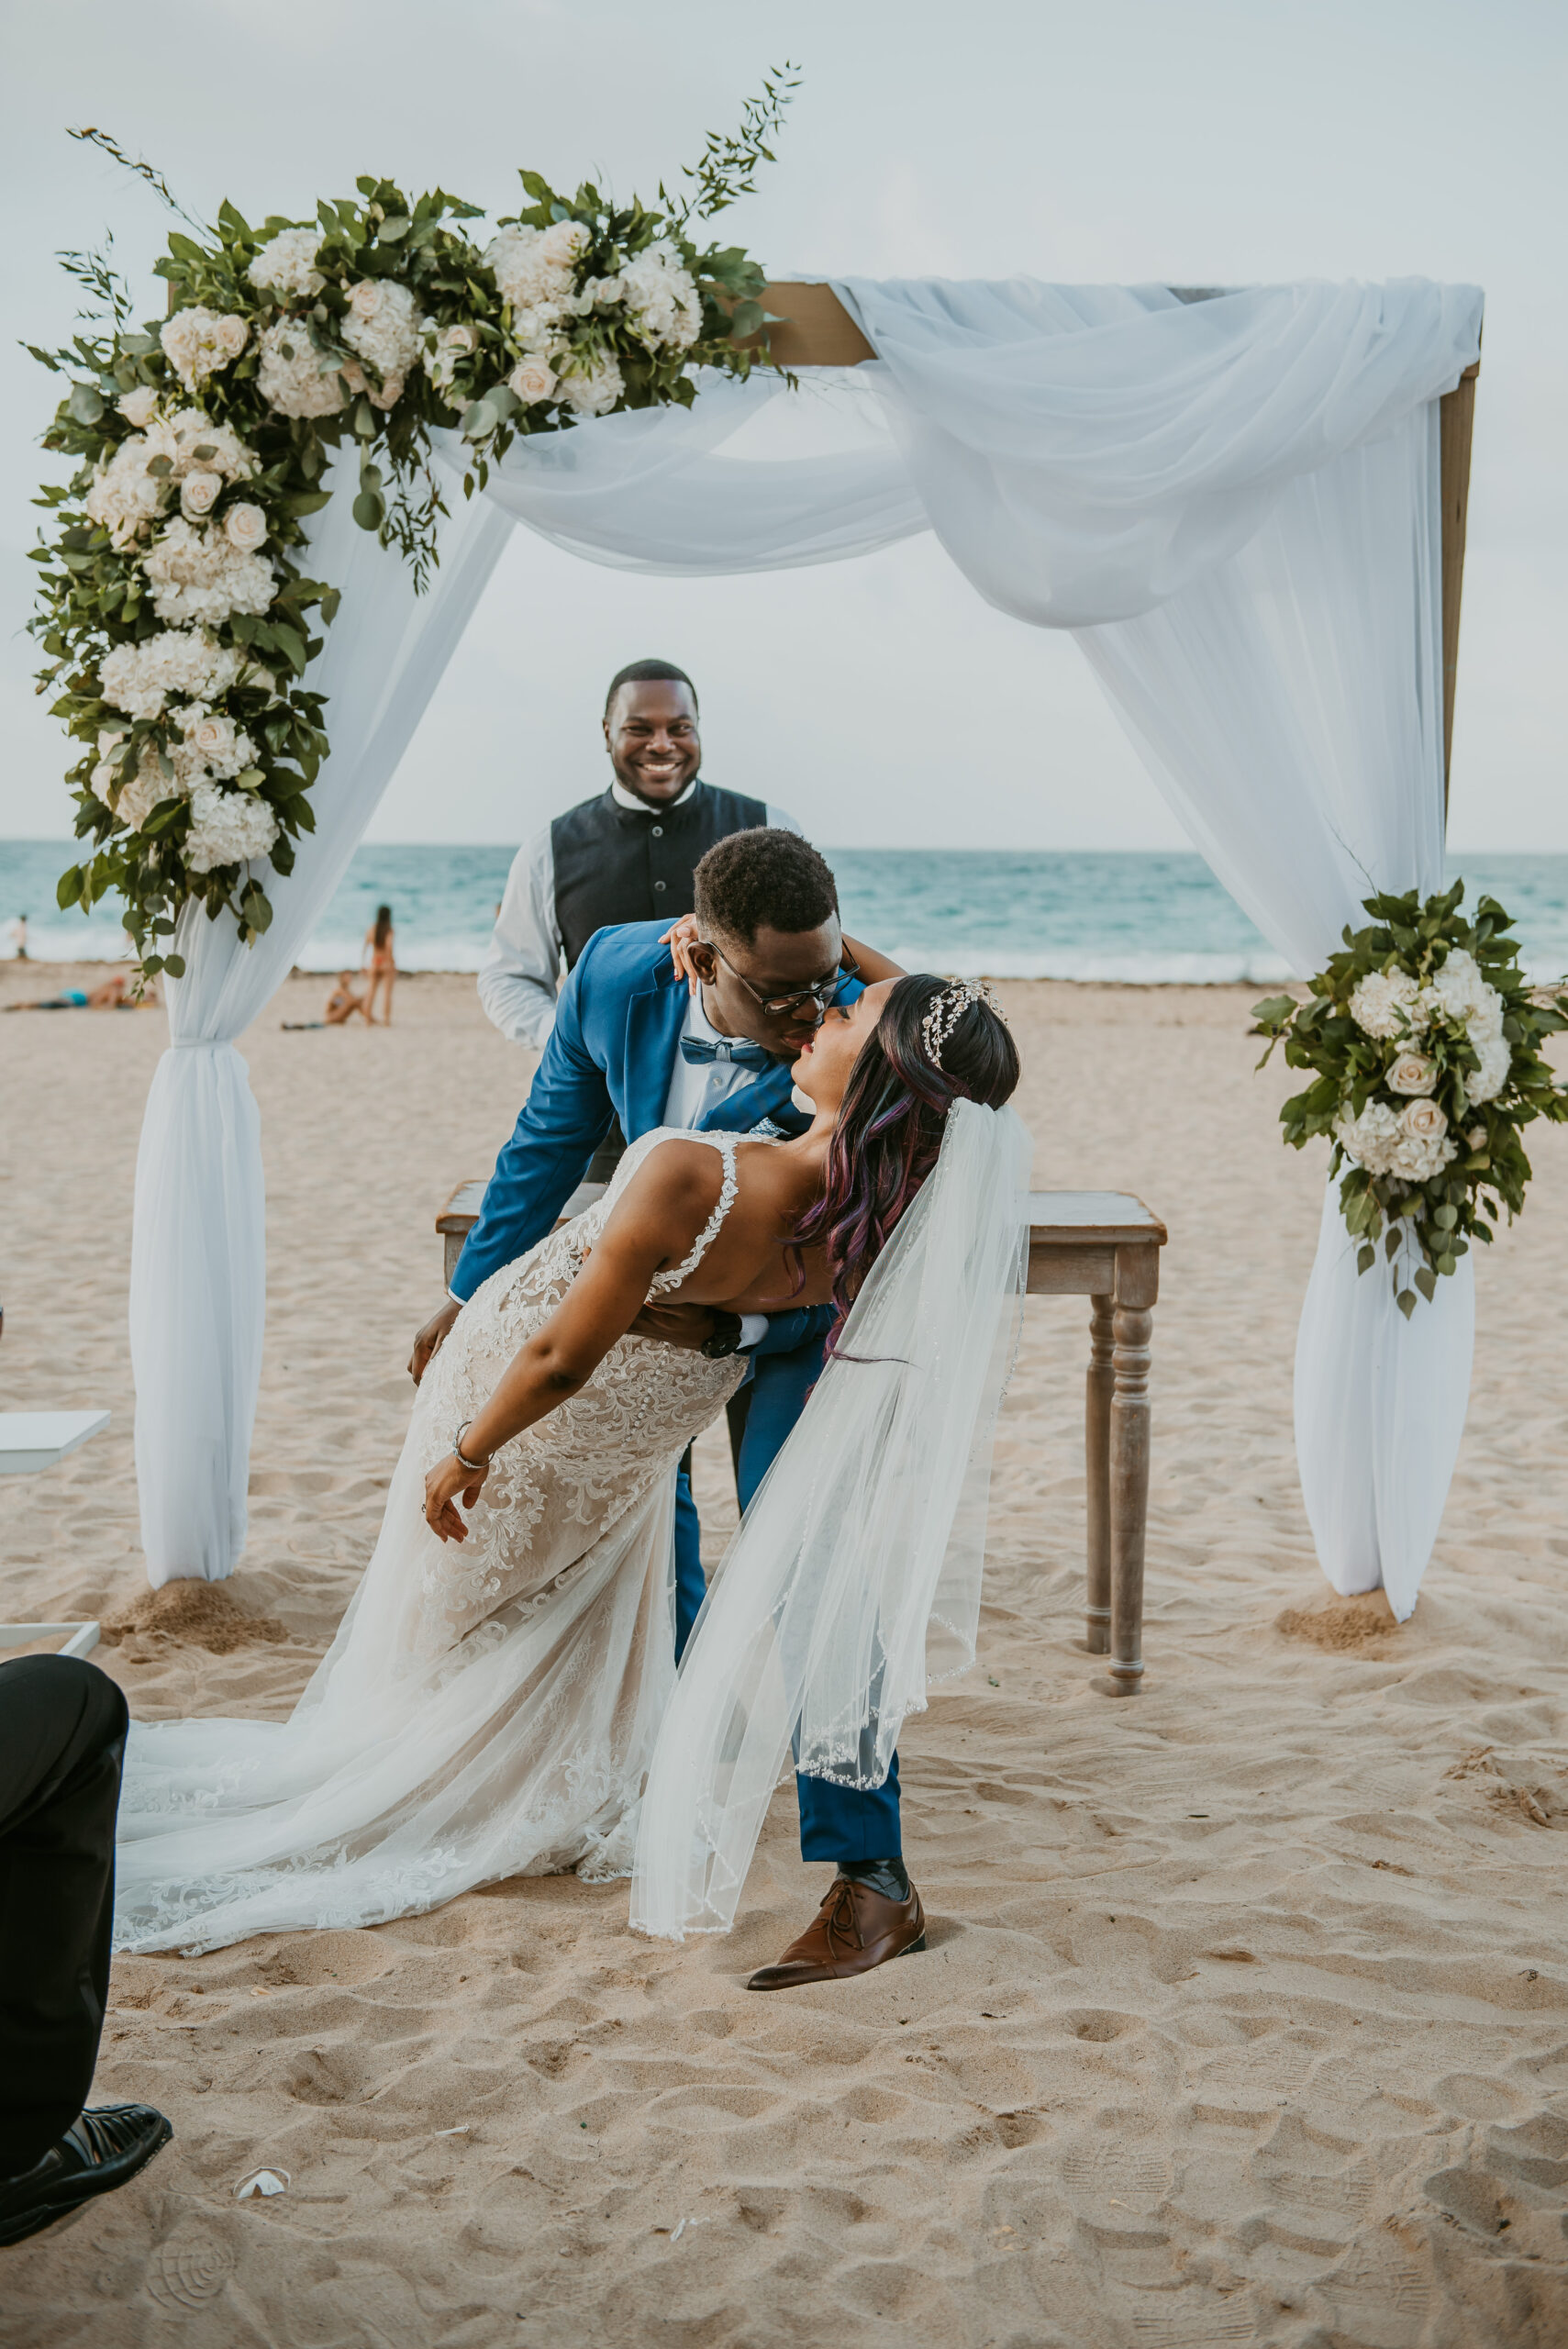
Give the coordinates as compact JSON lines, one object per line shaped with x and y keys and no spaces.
{"x":1142,"y":917}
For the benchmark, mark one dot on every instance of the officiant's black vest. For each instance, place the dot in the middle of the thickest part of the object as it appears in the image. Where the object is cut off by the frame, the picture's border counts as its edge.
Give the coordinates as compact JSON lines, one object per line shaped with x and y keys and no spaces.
{"x":614,"y":863}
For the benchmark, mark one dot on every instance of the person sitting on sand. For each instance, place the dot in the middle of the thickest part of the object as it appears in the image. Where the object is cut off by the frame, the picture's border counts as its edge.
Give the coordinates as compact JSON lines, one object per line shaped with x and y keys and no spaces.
{"x":343,"y":1002}
{"x":339,"y":1009}
{"x":380,"y":951}
{"x":112,"y":995}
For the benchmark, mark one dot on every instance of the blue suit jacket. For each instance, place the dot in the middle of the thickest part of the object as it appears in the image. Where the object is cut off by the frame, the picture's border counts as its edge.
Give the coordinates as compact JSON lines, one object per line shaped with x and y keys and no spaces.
{"x":611,"y":1054}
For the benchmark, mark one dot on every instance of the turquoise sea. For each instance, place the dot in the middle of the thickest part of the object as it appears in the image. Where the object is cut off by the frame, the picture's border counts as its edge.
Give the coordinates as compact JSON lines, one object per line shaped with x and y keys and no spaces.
{"x":1144,"y":916}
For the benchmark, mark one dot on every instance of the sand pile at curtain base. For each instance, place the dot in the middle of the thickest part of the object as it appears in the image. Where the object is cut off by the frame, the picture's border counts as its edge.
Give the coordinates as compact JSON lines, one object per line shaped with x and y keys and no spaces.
{"x":1345,"y":1623}
{"x":195,"y":1614}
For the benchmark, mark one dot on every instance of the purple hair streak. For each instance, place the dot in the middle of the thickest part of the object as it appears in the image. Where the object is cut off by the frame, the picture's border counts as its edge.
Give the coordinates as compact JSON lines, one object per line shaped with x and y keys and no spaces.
{"x":889,"y":1130}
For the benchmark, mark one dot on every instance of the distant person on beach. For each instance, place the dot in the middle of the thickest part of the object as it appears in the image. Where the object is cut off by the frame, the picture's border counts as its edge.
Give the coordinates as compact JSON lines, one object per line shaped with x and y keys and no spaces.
{"x":339,"y":1009}
{"x":17,"y":938}
{"x":381,"y":957}
{"x":112,"y":995}
{"x":626,"y":855}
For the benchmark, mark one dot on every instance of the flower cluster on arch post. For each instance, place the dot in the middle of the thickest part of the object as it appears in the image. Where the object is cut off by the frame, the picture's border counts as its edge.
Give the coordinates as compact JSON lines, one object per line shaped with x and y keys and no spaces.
{"x":1425,"y":1039}
{"x":176,"y":610}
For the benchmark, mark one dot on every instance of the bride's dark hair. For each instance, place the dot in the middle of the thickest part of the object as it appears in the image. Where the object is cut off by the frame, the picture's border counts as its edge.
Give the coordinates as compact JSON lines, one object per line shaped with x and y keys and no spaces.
{"x":890,"y":1125}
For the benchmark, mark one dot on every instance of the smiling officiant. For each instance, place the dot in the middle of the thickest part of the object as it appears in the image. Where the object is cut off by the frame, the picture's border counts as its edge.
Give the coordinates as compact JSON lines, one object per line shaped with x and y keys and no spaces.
{"x":626,"y":855}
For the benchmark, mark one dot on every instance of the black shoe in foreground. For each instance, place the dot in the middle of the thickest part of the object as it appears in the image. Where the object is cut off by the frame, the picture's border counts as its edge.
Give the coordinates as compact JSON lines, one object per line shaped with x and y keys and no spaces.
{"x":101,"y":2150}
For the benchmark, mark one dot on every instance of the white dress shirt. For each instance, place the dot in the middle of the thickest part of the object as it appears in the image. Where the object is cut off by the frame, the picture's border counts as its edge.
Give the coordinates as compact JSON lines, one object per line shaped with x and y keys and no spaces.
{"x":520,"y":975}
{"x":697,"y":1086}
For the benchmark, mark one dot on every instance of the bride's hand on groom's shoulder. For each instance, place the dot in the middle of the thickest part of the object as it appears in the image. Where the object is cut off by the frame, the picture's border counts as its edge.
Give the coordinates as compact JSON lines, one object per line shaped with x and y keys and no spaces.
{"x":445,"y":1480}
{"x":680,"y":935}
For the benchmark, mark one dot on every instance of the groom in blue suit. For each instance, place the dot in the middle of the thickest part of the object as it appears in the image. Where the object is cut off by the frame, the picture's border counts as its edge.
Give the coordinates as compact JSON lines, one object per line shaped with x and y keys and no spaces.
{"x":632,"y":1042}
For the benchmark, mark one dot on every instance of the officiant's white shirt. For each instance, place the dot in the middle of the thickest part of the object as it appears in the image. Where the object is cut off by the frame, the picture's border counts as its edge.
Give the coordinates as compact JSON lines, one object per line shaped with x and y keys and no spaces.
{"x":520,"y":975}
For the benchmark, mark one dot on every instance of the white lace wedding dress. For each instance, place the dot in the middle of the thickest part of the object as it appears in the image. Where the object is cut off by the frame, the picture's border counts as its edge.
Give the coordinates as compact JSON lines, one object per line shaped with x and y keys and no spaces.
{"x":488,"y":1708}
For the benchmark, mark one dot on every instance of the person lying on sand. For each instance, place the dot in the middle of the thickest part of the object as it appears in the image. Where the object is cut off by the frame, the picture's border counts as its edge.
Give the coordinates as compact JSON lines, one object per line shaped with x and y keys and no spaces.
{"x":112,"y":995}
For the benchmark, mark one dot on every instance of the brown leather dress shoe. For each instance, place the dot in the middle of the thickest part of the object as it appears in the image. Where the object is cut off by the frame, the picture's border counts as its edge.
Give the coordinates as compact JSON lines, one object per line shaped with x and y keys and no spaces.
{"x":855,"y":1928}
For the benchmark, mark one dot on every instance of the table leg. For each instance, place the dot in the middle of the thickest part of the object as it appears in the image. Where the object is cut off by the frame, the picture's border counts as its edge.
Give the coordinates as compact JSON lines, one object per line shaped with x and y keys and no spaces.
{"x":1137,"y":1277}
{"x":1098,"y":1477}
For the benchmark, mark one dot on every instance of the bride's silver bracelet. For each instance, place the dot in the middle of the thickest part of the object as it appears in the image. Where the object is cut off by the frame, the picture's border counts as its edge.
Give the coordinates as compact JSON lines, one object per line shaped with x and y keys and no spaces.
{"x":474,"y":1467}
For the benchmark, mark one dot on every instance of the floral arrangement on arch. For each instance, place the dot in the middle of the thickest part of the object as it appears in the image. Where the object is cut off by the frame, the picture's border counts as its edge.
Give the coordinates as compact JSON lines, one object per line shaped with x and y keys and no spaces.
{"x":174,"y":607}
{"x":1425,"y":1038}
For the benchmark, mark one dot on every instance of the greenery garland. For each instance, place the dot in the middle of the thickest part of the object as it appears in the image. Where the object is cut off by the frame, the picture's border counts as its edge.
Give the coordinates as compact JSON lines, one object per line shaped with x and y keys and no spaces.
{"x":175,"y":607}
{"x":1425,"y":1039}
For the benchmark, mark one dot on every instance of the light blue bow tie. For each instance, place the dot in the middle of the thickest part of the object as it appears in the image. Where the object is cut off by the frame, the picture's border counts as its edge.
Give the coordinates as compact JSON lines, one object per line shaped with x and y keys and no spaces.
{"x":727,"y":1048}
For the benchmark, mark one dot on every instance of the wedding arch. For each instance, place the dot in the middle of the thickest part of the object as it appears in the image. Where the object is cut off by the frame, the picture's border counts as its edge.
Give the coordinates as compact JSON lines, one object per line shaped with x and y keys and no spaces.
{"x":1247,"y":505}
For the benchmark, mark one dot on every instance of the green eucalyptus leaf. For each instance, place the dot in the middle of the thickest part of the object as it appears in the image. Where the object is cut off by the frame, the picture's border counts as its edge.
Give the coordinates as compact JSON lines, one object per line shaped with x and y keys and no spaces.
{"x":87,"y":402}
{"x":1406,"y":1300}
{"x":370,"y":513}
{"x":1426,"y":1281}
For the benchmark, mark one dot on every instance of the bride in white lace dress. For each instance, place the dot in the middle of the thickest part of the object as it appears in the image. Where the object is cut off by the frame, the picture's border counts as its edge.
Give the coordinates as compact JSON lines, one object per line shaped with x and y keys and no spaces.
{"x":490,"y":1704}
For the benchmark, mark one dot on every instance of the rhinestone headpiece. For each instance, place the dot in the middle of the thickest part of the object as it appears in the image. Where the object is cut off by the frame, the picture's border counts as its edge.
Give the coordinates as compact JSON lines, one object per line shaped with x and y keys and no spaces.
{"x":949,"y":1007}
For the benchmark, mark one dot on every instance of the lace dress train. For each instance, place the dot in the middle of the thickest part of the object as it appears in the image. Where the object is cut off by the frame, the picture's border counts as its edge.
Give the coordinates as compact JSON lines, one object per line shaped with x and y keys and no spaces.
{"x":487,"y":1708}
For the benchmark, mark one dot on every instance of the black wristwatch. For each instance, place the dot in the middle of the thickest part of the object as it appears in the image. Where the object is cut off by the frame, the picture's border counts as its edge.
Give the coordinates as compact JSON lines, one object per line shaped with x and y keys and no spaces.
{"x":726,"y":1338}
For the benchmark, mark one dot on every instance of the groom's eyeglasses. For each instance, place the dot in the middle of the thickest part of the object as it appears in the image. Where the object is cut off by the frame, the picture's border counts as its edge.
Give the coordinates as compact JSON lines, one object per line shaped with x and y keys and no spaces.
{"x":826,"y":992}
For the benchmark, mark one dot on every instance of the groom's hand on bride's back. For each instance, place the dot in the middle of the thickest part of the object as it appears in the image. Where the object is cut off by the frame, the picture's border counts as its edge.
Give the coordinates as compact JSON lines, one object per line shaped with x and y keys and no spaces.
{"x":677,"y":1325}
{"x":429,"y":1341}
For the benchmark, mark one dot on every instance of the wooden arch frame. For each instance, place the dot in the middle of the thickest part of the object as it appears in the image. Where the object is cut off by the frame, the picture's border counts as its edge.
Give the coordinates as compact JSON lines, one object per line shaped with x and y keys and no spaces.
{"x":816,"y":330}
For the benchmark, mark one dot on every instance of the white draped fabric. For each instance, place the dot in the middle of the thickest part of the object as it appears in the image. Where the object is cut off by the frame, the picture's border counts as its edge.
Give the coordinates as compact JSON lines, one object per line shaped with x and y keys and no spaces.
{"x":1231,"y":501}
{"x":854,"y":1581}
{"x":198,"y":1251}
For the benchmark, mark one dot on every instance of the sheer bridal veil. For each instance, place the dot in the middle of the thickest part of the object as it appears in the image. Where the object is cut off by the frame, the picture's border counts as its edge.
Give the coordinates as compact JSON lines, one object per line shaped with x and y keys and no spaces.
{"x":854,"y":1579}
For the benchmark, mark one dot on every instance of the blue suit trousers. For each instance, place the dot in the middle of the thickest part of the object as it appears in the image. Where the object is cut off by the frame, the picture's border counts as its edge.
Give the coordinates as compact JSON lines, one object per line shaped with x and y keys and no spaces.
{"x":837,"y":1822}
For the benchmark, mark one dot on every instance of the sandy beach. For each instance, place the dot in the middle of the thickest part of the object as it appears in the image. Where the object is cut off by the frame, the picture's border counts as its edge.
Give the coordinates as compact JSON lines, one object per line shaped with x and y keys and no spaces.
{"x":1245,"y":2013}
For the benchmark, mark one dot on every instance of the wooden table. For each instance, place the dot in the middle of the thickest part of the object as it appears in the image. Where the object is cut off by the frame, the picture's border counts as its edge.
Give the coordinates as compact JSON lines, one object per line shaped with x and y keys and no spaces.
{"x":1103,"y":1245}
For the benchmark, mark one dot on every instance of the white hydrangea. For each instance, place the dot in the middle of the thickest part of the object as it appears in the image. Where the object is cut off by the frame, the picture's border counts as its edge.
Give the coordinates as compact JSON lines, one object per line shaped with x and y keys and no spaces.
{"x":1384,"y":1003}
{"x":227,"y":827}
{"x":197,"y":575}
{"x":1458,"y":991}
{"x":126,"y":497}
{"x":289,"y":375}
{"x":1495,"y":1054}
{"x":287,"y":264}
{"x":148,"y":787}
{"x":198,"y":342}
{"x":1411,"y":1144}
{"x":190,"y":440}
{"x":137,"y":678}
{"x":592,"y":386}
{"x":384,"y":328}
{"x":535,"y":267}
{"x":661,"y":298}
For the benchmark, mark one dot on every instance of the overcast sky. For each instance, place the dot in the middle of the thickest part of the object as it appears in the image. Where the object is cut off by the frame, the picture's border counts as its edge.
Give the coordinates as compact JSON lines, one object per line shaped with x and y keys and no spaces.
{"x":1191,"y":141}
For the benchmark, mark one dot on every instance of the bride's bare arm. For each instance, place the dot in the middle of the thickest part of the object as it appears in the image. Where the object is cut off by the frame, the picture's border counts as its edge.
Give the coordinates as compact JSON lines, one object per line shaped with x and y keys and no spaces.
{"x":654,"y":1224}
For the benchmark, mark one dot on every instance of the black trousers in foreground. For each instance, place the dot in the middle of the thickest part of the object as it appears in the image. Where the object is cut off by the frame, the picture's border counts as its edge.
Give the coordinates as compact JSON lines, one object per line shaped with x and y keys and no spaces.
{"x":63,"y":1732}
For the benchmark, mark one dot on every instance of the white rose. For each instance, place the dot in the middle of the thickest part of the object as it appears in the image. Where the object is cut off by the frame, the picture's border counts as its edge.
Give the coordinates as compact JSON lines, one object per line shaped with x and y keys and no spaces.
{"x":245,"y":526}
{"x":1476,"y":1137}
{"x":212,"y":738}
{"x":1423,"y":1121}
{"x":231,"y":334}
{"x":199,"y":494}
{"x":564,"y":240}
{"x":138,"y":407}
{"x":532,"y":380}
{"x":364,"y":299}
{"x":1413,"y":1073}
